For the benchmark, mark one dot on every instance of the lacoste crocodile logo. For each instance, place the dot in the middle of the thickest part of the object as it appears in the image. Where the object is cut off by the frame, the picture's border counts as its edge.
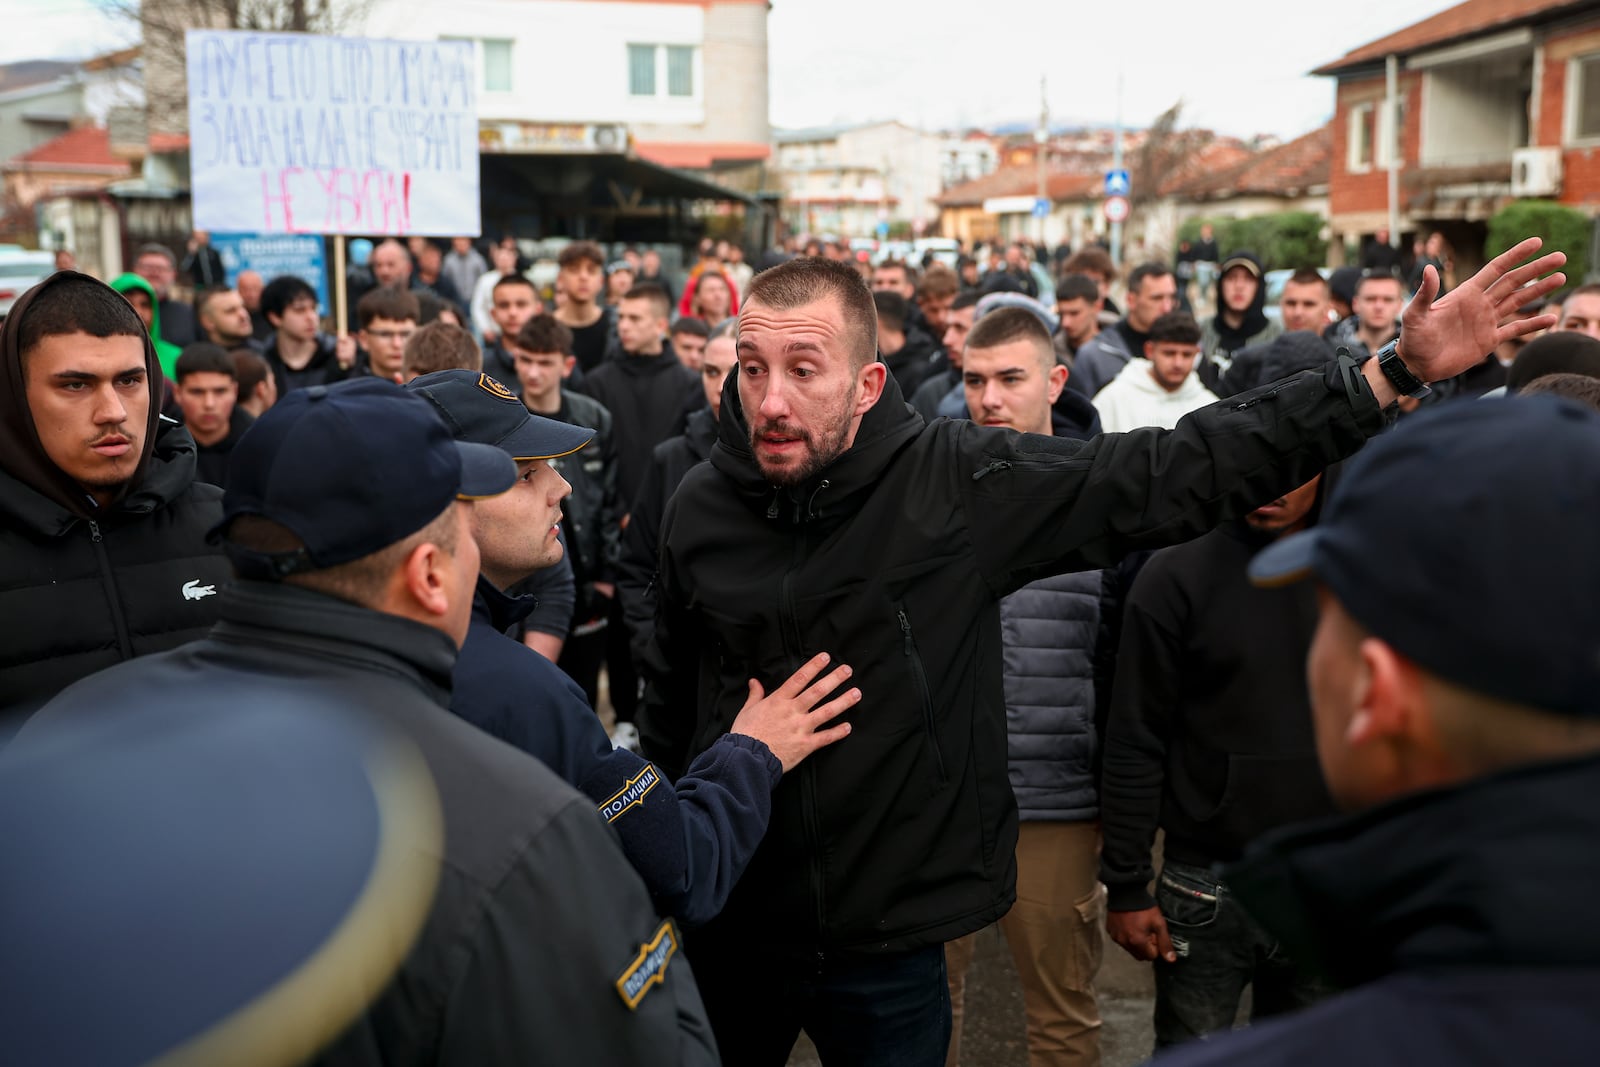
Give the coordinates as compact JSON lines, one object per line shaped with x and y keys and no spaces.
{"x":193,"y":590}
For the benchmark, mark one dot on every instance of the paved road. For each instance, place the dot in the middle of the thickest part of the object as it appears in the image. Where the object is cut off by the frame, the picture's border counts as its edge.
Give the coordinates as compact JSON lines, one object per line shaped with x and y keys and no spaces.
{"x":993,"y":1031}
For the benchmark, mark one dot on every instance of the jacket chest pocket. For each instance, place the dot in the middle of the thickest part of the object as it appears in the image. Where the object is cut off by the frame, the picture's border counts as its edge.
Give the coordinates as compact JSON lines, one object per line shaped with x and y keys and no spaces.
{"x":921,"y":693}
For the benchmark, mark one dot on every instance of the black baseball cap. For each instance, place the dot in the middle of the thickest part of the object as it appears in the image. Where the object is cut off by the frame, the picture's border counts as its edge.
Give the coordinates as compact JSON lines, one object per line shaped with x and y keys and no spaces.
{"x":350,"y":469}
{"x":477,"y":408}
{"x":1466,"y":539}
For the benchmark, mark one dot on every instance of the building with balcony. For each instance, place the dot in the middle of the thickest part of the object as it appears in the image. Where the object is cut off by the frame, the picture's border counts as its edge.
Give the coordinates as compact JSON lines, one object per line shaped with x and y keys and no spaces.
{"x":1496,"y":100}
{"x":845,"y":180}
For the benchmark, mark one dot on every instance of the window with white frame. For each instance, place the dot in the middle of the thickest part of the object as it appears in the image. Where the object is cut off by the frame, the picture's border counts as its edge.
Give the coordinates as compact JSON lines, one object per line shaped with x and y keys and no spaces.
{"x":661,"y":70}
{"x":1362,"y":138}
{"x":1583,"y":88}
{"x":493,"y":57}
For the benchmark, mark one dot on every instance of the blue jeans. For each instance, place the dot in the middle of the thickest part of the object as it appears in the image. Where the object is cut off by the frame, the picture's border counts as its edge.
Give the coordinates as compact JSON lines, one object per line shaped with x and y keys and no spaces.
{"x":1220,"y":951}
{"x":889,"y":1010}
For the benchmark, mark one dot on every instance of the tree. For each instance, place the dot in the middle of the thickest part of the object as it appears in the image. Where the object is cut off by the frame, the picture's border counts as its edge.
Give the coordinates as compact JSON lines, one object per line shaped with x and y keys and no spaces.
{"x":1564,"y":229}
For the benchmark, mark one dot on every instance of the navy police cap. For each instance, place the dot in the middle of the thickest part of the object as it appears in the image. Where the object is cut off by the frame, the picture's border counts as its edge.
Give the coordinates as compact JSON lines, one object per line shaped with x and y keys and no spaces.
{"x":478,"y":408}
{"x":350,"y":469}
{"x":1466,"y":540}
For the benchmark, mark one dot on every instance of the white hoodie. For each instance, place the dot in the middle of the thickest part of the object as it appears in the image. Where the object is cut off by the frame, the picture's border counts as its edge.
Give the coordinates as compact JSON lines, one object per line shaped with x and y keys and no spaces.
{"x":1134,"y":399}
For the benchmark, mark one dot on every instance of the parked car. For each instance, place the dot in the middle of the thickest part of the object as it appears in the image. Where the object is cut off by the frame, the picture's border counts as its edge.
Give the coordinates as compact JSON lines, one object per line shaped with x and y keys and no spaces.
{"x":20,"y":270}
{"x":946,"y":250}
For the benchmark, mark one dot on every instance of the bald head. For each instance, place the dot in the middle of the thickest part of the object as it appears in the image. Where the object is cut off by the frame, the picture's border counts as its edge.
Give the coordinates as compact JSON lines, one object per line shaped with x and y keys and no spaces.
{"x":391,"y":264}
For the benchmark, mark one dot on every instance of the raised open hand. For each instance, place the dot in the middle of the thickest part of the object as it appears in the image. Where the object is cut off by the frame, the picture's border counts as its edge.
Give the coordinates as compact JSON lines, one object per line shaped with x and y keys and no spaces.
{"x":1441,"y":338}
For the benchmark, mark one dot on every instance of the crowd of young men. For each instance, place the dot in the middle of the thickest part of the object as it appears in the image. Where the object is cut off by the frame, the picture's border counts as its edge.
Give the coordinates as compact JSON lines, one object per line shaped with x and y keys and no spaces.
{"x":733,"y":525}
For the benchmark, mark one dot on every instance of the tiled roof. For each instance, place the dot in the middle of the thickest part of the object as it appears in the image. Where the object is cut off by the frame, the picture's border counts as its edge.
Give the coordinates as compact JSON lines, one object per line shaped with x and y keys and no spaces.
{"x":1467,"y":19}
{"x":1022,"y":181}
{"x":694,"y":155}
{"x":169,"y":142}
{"x":86,"y":149}
{"x":1288,"y":169}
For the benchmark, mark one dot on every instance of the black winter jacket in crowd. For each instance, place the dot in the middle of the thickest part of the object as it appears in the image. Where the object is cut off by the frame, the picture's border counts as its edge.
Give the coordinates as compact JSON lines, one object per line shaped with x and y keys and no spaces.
{"x":77,"y":596}
{"x":537,"y":915}
{"x":591,"y":517}
{"x":650,"y":399}
{"x":1209,"y":736}
{"x":641,"y":541}
{"x":1443,"y":910}
{"x":893,"y":558}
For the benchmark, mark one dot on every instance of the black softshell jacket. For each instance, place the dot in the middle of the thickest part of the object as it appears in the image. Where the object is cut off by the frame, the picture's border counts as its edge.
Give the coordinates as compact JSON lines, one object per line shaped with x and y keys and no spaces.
{"x":894,"y":559}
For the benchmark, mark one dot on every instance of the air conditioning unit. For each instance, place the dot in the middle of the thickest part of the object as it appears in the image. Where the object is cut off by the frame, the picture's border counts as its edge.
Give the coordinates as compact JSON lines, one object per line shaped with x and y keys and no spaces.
{"x":1535,"y":171}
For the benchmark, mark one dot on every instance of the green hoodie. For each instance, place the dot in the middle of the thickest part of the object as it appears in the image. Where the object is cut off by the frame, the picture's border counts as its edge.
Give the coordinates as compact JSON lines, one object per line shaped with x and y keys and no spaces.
{"x":166,"y":352}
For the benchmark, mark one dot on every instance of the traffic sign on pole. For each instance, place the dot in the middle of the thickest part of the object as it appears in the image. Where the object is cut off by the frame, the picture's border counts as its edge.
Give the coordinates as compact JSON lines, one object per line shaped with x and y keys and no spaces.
{"x":1118,"y":183}
{"x":1041,"y":207}
{"x":1116,"y":209}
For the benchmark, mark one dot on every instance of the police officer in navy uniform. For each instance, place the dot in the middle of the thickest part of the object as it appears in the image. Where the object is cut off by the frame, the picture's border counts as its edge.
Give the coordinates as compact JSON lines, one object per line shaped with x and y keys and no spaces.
{"x":348,"y":519}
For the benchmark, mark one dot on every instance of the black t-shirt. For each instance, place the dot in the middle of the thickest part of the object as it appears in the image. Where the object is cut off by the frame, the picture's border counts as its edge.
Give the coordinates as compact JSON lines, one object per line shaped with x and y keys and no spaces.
{"x":211,"y":461}
{"x":1134,"y":338}
{"x":589,"y":342}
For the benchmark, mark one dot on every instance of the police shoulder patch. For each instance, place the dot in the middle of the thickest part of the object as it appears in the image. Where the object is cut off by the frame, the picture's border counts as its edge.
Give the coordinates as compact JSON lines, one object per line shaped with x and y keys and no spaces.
{"x":649,"y":967}
{"x":632,"y":793}
{"x":494,"y":388}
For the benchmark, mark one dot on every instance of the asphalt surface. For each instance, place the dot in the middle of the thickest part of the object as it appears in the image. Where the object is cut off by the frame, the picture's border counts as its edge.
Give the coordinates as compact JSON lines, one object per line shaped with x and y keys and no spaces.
{"x":992,"y":1035}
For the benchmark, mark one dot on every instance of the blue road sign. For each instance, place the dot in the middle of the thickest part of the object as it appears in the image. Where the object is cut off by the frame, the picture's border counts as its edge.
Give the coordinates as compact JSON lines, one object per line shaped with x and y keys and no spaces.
{"x":883,"y":228}
{"x":1041,"y":207}
{"x":1118,"y":183}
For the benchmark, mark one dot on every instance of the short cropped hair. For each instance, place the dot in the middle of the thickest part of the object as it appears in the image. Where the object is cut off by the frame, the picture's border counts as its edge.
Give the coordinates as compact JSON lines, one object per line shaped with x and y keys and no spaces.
{"x":660,"y":303}
{"x":440,"y":346}
{"x":1376,"y":276}
{"x":1175,"y":327}
{"x":203,"y":357}
{"x":581,"y":252}
{"x":515,"y":278}
{"x":153,"y":249}
{"x":892,"y":310}
{"x":396,"y":305}
{"x":77,"y":305}
{"x":688,"y":324}
{"x":1151,"y":269}
{"x":1091,"y":260}
{"x":249,"y":370}
{"x":203,"y":301}
{"x":809,"y":279}
{"x":1077,"y":287}
{"x":900,"y":265}
{"x":543,"y":333}
{"x":1579,"y":387}
{"x":1307,"y":276}
{"x":967,"y":298}
{"x":283,"y":291}
{"x":1008,"y":324}
{"x":939,"y":282}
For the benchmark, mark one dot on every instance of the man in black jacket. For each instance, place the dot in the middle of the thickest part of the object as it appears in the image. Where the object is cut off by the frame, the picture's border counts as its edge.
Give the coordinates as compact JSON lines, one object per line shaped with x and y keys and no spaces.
{"x":831,"y":517}
{"x":650,"y":395}
{"x":1459,"y":721}
{"x":541,"y":945}
{"x":102,"y":526}
{"x":1209,"y":739}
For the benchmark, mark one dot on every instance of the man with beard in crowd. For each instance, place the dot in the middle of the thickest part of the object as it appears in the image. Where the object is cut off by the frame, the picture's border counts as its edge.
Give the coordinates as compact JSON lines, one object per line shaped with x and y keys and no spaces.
{"x":830,"y":515}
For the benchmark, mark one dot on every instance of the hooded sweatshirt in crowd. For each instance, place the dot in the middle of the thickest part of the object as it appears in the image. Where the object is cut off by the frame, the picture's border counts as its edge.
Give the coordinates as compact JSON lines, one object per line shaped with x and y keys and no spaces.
{"x":84,"y":586}
{"x":1135,"y":399}
{"x":166,"y":352}
{"x":1219,"y":341}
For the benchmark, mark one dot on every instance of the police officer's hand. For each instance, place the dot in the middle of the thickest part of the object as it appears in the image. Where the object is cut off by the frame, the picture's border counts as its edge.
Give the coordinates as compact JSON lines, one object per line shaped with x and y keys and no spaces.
{"x":1142,"y":933}
{"x":790,"y":722}
{"x":1441,"y":338}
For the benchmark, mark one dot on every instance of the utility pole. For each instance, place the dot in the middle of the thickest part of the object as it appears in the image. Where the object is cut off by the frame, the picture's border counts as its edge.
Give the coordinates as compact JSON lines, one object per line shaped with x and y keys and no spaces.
{"x":1116,"y":164}
{"x":1042,"y":140}
{"x":1391,"y":142}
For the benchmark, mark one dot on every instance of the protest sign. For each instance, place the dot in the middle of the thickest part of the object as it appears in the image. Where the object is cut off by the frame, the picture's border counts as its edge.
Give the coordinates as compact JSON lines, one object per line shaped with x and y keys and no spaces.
{"x":271,"y":255}
{"x":298,"y":133}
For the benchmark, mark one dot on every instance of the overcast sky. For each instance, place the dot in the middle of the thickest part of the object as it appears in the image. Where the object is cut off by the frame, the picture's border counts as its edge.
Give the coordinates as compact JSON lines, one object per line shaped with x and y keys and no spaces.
{"x":1239,"y":66}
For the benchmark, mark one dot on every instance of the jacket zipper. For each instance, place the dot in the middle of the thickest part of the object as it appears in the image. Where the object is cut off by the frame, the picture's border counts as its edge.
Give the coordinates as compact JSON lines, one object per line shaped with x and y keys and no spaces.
{"x":812,"y":822}
{"x":927,"y":695}
{"x":124,"y":639}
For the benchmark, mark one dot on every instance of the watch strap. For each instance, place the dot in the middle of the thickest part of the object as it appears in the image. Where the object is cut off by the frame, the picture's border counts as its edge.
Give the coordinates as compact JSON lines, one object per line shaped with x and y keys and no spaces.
{"x":1399,"y":375}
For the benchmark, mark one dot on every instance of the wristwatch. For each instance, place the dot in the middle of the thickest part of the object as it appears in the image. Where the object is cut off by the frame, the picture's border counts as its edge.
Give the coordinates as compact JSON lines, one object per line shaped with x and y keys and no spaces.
{"x":1405,"y":383}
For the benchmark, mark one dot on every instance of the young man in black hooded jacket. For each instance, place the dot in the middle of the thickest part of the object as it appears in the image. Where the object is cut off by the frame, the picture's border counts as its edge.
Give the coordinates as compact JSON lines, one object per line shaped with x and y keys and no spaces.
{"x":103,"y":554}
{"x":1240,"y":320}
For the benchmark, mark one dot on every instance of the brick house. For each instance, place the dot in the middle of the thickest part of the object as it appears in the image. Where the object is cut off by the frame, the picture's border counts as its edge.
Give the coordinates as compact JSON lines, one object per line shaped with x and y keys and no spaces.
{"x":1497,"y":99}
